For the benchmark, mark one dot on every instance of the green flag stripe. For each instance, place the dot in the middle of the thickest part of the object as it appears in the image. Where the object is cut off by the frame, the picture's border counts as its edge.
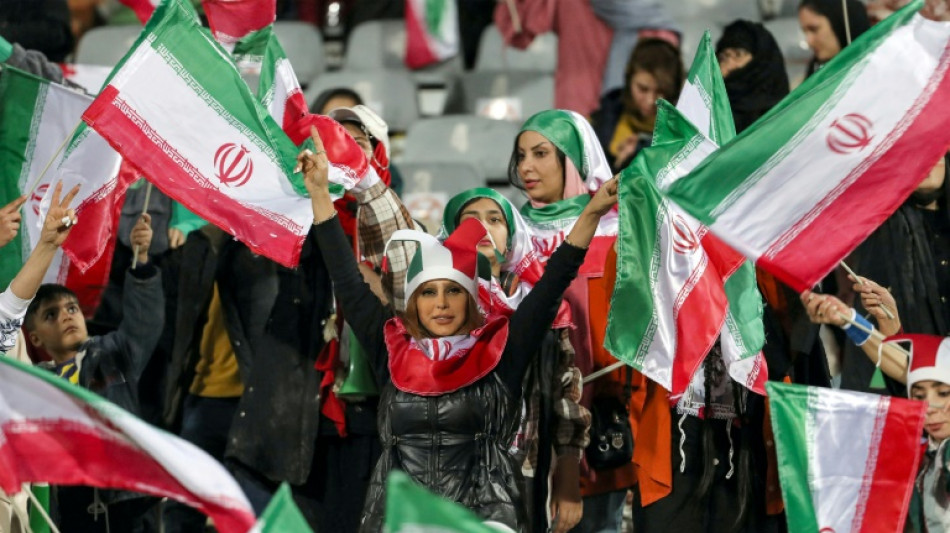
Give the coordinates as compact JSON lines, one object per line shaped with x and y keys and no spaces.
{"x":783,"y":126}
{"x":789,"y":409}
{"x":21,"y":95}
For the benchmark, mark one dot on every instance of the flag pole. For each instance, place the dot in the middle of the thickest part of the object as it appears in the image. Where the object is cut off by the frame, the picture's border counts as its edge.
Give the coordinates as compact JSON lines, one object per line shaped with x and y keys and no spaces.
{"x":872,"y":332}
{"x":859,"y":281}
{"x":603,"y":372}
{"x":515,"y":18}
{"x":847,"y":23}
{"x":148,"y":194}
{"x":41,"y":510}
{"x":50,"y":162}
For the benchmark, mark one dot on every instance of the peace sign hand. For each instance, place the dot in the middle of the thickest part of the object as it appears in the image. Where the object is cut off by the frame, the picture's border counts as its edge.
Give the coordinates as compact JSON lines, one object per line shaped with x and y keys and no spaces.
{"x":60,"y":218}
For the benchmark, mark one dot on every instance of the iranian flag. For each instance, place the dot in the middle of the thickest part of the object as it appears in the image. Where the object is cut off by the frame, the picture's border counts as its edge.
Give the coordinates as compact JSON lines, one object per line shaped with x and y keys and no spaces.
{"x":412,"y":509}
{"x":432,"y":32}
{"x":847,"y":460}
{"x":177,"y":109}
{"x":282,"y":515}
{"x":812,"y":178}
{"x":679,"y":288}
{"x":53,"y":431}
{"x":90,"y":77}
{"x":278,"y":89}
{"x":705,"y":103}
{"x":143,"y":8}
{"x":232,"y":20}
{"x":40,"y":127}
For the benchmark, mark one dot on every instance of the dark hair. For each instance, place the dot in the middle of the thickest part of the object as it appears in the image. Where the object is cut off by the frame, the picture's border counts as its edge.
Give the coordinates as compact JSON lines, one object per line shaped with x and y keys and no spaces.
{"x":660,"y":59}
{"x":335,"y":92}
{"x":831,"y":9}
{"x":48,"y":292}
{"x":513,"y":178}
{"x":410,"y":318}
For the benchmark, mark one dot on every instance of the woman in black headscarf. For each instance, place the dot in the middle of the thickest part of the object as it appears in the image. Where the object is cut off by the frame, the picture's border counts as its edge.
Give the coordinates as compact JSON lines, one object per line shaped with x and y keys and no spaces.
{"x":753,"y":69}
{"x":823,"y":22}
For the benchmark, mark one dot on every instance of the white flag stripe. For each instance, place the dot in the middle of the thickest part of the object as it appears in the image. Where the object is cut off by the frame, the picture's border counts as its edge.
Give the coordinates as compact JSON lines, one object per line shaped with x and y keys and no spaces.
{"x":841,"y":439}
{"x":164,"y":84}
{"x":751,"y":214}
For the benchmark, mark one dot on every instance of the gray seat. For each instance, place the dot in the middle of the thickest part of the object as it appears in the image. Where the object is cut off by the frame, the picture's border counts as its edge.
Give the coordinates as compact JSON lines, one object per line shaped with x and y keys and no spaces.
{"x":481,"y":142}
{"x":449,"y":177}
{"x":511,"y":95}
{"x":303,"y":44}
{"x":494,"y":54}
{"x":379,"y":44}
{"x":391,"y":93}
{"x":106,"y":45}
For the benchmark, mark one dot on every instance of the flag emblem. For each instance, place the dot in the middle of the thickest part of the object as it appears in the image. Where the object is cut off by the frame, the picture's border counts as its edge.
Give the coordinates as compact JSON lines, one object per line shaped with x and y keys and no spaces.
{"x":850,"y":133}
{"x":234,"y":165}
{"x":685,"y":241}
{"x":37,"y":198}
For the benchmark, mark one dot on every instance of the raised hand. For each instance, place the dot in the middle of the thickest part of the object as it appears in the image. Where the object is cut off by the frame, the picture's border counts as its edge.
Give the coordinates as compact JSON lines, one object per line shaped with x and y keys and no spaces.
{"x":825,"y":309}
{"x":315,"y":166}
{"x":10,"y":220}
{"x":605,"y":197}
{"x":176,"y":238}
{"x":141,"y":238}
{"x":875,"y":299}
{"x":60,"y":218}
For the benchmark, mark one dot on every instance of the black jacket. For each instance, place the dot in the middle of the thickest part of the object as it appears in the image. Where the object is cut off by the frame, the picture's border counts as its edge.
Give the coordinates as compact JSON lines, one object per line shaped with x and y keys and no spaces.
{"x":455,"y":444}
{"x":275,"y":318}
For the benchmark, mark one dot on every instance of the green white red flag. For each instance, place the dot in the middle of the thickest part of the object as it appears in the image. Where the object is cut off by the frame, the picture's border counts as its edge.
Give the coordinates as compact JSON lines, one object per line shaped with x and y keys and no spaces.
{"x":432,"y":32}
{"x":812,"y":178}
{"x":278,"y":89}
{"x":56,"y":432}
{"x":282,"y":515}
{"x":412,"y":509}
{"x":846,"y":460}
{"x":177,"y":109}
{"x":705,"y":103}
{"x":232,"y":20}
{"x":39,"y":118}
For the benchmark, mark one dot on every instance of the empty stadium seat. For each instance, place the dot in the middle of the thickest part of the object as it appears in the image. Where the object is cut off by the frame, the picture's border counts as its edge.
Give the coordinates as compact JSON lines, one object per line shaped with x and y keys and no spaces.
{"x":510,"y":95}
{"x":391,"y":93}
{"x":303,"y":45}
{"x":382,"y":44}
{"x":106,"y":45}
{"x":450,"y":177}
{"x":494,"y":54}
{"x":481,"y":142}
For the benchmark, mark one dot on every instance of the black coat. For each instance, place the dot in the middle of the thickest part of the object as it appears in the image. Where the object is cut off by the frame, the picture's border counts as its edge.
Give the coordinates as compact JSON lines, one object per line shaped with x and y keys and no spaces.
{"x":275,"y":317}
{"x":455,"y":444}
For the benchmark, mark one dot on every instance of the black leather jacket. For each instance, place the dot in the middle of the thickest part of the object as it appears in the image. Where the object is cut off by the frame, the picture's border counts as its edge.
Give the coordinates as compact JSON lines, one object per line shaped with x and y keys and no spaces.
{"x":454,"y":444}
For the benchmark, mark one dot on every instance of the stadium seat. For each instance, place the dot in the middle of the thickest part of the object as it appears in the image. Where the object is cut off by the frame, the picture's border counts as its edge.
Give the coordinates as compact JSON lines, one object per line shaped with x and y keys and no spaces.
{"x":382,"y":44}
{"x":495,"y":55}
{"x":481,"y":142}
{"x":303,"y":45}
{"x":449,"y":177}
{"x":510,"y":95}
{"x":106,"y":45}
{"x":391,"y":93}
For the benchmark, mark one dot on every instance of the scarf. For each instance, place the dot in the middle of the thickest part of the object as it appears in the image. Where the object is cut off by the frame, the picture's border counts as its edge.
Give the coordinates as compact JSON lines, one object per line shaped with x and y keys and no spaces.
{"x":442,"y":365}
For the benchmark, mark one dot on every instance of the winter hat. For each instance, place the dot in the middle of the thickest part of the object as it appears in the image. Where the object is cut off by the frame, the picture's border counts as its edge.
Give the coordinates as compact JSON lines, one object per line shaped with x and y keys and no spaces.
{"x":574,"y":136}
{"x":455,"y":259}
{"x":366,"y":118}
{"x":929,"y":358}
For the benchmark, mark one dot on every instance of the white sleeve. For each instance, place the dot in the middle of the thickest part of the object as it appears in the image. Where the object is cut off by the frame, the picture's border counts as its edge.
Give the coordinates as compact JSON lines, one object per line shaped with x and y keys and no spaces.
{"x":12,"y":310}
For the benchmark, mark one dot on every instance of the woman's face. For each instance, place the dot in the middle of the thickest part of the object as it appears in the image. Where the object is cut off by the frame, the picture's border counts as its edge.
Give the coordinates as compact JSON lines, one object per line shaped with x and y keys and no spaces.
{"x":645,"y":91}
{"x":489,"y":213}
{"x":442,"y":306}
{"x":540,"y":170}
{"x":731,"y":59}
{"x":361,"y":138}
{"x":937,"y":396}
{"x":819,"y":35}
{"x":934,"y":180}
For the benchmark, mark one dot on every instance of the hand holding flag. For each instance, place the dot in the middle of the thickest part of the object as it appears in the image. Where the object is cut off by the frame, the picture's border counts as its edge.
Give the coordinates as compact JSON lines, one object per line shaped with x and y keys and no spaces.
{"x":10,"y":220}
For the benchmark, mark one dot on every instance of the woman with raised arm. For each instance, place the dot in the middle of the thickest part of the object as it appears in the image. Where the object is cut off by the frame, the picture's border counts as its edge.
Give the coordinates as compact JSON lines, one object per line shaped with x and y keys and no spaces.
{"x":450,"y":377}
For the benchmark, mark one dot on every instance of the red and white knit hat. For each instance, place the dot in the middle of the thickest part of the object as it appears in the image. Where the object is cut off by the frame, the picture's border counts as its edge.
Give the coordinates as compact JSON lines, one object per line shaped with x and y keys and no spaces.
{"x":929,"y":358}
{"x":454,"y":259}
